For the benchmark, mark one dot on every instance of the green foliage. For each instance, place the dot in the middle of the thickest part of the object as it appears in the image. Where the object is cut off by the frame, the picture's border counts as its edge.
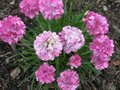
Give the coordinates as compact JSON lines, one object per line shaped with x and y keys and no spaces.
{"x":28,"y":60}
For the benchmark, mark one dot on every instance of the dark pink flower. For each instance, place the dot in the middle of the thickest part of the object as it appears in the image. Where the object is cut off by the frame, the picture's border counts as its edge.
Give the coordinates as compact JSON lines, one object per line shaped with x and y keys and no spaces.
{"x":100,"y":62}
{"x":75,"y":61}
{"x":102,"y":48}
{"x":29,"y":7}
{"x":45,"y":74}
{"x":102,"y":45}
{"x":96,"y":23}
{"x":51,"y":9}
{"x":12,"y":29}
{"x":68,"y":80}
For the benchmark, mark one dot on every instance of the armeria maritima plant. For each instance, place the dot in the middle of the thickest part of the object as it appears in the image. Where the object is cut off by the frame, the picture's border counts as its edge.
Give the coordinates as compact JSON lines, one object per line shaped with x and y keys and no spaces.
{"x":62,"y":48}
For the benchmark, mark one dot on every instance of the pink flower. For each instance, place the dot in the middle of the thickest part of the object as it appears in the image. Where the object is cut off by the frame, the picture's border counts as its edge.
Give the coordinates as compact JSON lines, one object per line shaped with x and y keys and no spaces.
{"x":29,"y":7}
{"x":72,"y":39}
{"x":51,"y":9}
{"x":48,"y":45}
{"x":45,"y":74}
{"x":100,"y":62}
{"x":96,"y":23}
{"x":68,"y":80}
{"x":102,"y":45}
{"x":75,"y":61}
{"x":102,"y":48}
{"x":12,"y":29}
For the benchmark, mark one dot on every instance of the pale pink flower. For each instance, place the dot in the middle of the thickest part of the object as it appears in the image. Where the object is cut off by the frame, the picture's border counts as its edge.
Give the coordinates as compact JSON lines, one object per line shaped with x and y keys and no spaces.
{"x":51,"y":9}
{"x":48,"y":45}
{"x":45,"y":74}
{"x":72,"y":39}
{"x":100,"y":62}
{"x":29,"y":7}
{"x":12,"y":29}
{"x":96,"y":23}
{"x":75,"y":61}
{"x":68,"y":80}
{"x":102,"y":45}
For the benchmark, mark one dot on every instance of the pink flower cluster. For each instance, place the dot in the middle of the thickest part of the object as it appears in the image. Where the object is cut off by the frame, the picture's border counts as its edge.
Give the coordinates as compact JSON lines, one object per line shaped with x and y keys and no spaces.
{"x":68,"y":80}
{"x":72,"y":39}
{"x":75,"y":61}
{"x":48,"y":45}
{"x":102,"y":48}
{"x":96,"y":23}
{"x":45,"y":73}
{"x":29,"y":7}
{"x":12,"y":28}
{"x":50,"y":9}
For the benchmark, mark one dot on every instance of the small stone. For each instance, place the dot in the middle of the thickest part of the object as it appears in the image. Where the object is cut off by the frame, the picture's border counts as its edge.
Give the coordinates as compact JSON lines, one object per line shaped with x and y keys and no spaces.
{"x":15,"y":72}
{"x":13,"y":2}
{"x":105,"y":8}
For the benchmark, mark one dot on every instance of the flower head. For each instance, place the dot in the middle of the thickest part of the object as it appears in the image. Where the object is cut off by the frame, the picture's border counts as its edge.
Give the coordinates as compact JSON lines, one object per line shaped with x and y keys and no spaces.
{"x":48,"y":45}
{"x":68,"y":80}
{"x":75,"y":61}
{"x":51,"y":9}
{"x":102,"y":48}
{"x":29,"y":7}
{"x":72,"y":39}
{"x":45,"y":74}
{"x":102,"y":45}
{"x":12,"y":28}
{"x":100,"y":62}
{"x":96,"y":23}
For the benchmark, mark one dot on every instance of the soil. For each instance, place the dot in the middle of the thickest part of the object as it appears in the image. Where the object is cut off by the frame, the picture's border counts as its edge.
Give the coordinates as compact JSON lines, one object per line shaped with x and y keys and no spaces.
{"x":110,"y":77}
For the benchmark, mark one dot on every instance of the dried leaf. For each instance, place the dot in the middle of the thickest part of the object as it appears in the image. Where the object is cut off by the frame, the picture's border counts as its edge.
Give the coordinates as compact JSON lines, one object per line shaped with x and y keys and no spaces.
{"x":115,"y":63}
